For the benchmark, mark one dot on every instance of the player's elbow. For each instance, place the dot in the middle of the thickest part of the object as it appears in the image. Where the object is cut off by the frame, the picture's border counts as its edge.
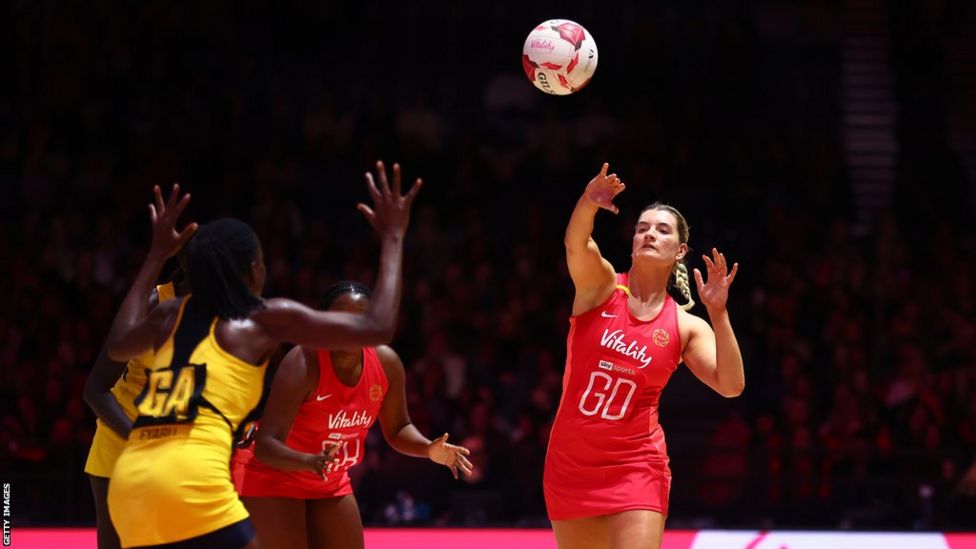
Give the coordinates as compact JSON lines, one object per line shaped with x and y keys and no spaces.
{"x":734,"y":390}
{"x":574,"y":244}
{"x":378,"y":331}
{"x":116,"y":350}
{"x":261,"y":452}
{"x":262,"y":449}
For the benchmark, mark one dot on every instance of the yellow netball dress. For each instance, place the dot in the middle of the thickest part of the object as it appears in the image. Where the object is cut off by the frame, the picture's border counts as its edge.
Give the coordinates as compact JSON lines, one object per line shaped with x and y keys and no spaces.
{"x":172,"y":481}
{"x":107,"y":444}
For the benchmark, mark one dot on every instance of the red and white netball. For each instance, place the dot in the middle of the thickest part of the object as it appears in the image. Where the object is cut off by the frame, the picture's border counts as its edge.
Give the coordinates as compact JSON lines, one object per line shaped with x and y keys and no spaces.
{"x":559,"y":57}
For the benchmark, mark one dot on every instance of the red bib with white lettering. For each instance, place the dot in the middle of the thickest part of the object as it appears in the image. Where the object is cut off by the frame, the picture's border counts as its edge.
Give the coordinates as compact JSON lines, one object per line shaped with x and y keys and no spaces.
{"x":607,"y":451}
{"x":336,"y":413}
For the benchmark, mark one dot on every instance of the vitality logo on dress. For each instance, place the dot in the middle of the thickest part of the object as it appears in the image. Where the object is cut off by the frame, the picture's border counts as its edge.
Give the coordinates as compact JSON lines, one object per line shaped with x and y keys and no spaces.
{"x":342,"y":420}
{"x":615,"y":342}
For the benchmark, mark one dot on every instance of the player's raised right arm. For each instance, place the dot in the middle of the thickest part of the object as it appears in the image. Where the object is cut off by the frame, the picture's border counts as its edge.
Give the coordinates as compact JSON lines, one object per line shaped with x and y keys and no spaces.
{"x":593,"y":276}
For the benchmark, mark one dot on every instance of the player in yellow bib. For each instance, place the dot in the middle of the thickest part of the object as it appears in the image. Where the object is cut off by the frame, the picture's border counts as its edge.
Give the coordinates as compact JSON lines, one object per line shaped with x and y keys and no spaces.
{"x":110,"y":391}
{"x":171,"y":486}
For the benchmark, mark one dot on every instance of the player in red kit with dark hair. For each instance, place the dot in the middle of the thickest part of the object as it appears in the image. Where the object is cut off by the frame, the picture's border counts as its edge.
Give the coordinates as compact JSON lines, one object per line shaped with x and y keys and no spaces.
{"x":322,"y":403}
{"x":607,"y":478}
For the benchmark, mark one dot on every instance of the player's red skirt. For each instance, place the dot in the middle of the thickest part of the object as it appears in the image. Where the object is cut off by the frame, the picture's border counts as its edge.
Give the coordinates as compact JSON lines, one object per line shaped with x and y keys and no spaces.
{"x":578,"y":487}
{"x":253,"y":478}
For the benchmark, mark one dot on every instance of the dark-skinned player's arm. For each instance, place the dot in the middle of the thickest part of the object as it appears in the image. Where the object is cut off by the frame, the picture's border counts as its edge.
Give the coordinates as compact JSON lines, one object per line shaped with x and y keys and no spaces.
{"x":98,"y":395}
{"x":400,"y":432}
{"x":593,"y":276}
{"x":287,"y":320}
{"x":98,"y":389}
{"x":135,"y":326}
{"x":293,"y":384}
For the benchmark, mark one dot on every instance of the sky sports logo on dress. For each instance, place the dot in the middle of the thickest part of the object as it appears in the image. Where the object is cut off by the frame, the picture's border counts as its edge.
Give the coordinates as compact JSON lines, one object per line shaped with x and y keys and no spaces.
{"x":610,"y":366}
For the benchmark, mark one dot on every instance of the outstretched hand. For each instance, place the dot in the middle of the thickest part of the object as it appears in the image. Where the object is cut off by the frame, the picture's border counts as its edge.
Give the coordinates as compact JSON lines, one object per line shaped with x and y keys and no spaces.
{"x":453,"y":457}
{"x":602,"y":189}
{"x":166,"y":240}
{"x":390,"y":213}
{"x":715,"y":291}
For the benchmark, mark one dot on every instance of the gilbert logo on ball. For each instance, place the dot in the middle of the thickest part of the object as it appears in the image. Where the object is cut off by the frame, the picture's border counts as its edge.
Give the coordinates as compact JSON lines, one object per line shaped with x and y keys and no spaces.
{"x":559,"y":57}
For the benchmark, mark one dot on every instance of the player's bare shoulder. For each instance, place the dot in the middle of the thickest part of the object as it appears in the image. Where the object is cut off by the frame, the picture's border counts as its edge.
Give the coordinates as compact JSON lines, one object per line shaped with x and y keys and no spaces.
{"x":390,"y":360}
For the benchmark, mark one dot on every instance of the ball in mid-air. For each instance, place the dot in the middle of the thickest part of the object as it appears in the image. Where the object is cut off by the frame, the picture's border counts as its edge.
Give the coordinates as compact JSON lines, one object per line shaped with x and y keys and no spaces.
{"x":559,"y":56}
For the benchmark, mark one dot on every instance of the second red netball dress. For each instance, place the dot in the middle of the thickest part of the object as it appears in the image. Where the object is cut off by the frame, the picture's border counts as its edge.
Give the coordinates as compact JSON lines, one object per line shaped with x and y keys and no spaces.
{"x":336,"y":413}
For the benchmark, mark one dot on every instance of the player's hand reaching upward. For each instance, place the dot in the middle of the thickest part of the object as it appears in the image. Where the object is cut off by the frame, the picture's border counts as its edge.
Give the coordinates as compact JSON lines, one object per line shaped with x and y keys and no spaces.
{"x":602,"y":189}
{"x":715,"y":291}
{"x":166,"y":240}
{"x":390,"y":213}
{"x":453,"y":457}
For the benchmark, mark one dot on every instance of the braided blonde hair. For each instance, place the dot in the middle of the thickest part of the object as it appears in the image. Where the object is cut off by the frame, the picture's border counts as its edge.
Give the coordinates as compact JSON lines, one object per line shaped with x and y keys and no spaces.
{"x":681,"y":282}
{"x":679,"y":274}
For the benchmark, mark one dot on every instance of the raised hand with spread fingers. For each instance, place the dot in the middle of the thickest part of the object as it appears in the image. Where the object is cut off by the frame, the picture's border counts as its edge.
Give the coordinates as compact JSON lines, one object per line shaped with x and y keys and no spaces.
{"x":714,"y":290}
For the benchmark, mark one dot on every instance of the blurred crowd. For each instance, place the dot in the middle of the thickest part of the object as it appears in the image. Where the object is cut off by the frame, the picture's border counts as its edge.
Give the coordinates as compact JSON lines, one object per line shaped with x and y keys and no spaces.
{"x":860,"y":342}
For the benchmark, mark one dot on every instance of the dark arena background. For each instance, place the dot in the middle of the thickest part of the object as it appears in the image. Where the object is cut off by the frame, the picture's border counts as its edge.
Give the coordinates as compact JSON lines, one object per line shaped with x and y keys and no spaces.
{"x":829,"y":147}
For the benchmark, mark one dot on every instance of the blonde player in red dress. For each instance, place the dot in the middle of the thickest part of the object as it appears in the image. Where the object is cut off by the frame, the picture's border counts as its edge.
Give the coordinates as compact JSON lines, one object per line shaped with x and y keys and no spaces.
{"x":295,"y":482}
{"x":606,"y":478}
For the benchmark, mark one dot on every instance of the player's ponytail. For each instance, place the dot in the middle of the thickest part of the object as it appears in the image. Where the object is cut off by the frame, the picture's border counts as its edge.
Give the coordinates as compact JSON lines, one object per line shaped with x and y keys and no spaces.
{"x":217,"y":260}
{"x":683,"y":285}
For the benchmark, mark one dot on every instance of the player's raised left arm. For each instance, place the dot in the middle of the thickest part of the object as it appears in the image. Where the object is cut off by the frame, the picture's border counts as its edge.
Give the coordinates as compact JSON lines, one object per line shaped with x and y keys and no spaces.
{"x":712,"y":353}
{"x":400,"y":432}
{"x":134,"y":328}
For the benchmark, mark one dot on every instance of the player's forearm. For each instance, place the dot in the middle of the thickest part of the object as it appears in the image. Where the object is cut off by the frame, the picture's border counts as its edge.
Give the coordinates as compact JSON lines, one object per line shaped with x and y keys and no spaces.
{"x":409,"y":441}
{"x":134,"y":308}
{"x":97,"y":394}
{"x":730,"y":369}
{"x":581,"y":224}
{"x":277,"y":454}
{"x":385,"y":303}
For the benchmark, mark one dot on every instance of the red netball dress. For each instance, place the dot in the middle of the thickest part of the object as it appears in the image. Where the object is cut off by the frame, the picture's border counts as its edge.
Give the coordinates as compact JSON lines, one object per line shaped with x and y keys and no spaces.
{"x":337,"y":413}
{"x":606,"y":451}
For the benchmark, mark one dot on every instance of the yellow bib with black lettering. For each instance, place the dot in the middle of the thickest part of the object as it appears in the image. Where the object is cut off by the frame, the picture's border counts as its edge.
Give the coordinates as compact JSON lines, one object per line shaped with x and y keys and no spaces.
{"x":191,"y":371}
{"x":172,"y":481}
{"x":133,"y":378}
